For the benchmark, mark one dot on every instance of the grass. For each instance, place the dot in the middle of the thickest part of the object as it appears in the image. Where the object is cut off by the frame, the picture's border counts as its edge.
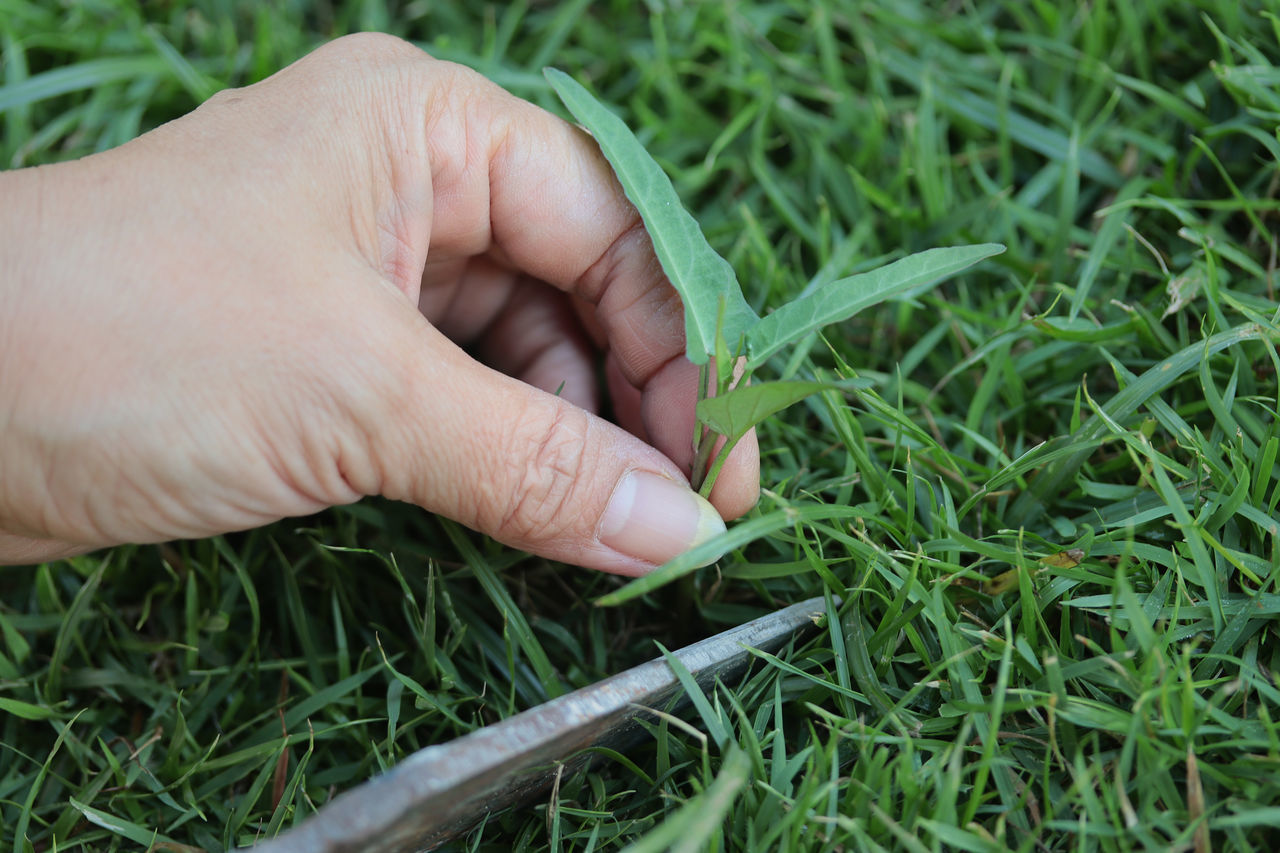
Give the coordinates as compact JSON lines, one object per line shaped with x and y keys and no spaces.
{"x":1052,"y":520}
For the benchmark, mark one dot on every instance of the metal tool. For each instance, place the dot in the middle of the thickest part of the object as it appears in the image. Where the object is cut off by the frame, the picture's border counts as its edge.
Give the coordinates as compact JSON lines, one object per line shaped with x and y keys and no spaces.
{"x":439,"y":792}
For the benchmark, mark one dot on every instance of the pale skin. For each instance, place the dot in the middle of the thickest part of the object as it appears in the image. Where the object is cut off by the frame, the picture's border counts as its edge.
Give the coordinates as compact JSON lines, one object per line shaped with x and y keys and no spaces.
{"x":259,"y":310}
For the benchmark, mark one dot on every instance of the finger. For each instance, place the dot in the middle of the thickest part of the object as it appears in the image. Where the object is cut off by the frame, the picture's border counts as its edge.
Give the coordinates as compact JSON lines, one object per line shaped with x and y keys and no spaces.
{"x":515,"y":181}
{"x":628,"y":403}
{"x":737,"y":489}
{"x":462,"y":296}
{"x":22,"y":551}
{"x":537,"y":194}
{"x":670,"y":417}
{"x":524,"y":466}
{"x":537,"y":338}
{"x":587,"y":317}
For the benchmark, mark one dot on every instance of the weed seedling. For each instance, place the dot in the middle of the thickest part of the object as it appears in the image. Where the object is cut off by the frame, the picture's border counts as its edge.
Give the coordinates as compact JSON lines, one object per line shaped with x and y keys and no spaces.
{"x":721,"y":329}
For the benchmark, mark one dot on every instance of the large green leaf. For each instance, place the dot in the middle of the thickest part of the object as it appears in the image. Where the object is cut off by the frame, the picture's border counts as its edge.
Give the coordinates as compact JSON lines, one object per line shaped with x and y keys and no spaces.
{"x":842,"y":298}
{"x":702,"y":278}
{"x":734,"y":413}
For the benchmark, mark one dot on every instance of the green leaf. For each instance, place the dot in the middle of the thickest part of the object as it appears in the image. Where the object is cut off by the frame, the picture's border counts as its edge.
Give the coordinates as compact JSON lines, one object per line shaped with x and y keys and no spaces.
{"x":701,"y":277}
{"x":734,"y":413}
{"x":842,"y":298}
{"x":714,"y":724}
{"x":26,"y":710}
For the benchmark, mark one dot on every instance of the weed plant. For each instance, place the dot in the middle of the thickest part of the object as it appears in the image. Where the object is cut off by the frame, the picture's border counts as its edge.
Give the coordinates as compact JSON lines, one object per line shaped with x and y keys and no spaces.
{"x":1046,"y":501}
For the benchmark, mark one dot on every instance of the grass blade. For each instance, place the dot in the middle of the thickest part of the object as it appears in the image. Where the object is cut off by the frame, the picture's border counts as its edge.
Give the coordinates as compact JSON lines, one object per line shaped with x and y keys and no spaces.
{"x":690,"y":827}
{"x":1030,"y":504}
{"x":735,"y":537}
{"x":89,"y":74}
{"x":119,"y":826}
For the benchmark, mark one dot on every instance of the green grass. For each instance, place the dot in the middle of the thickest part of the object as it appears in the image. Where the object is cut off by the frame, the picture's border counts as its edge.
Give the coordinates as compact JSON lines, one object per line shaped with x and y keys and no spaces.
{"x":1052,"y":520}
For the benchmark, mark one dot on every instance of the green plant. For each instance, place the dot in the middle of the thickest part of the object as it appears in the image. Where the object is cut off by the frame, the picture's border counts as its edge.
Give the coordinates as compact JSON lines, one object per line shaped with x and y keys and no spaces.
{"x":720,"y":327}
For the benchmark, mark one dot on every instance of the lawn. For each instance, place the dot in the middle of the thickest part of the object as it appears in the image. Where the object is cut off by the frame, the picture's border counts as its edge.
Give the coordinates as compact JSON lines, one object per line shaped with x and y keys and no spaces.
{"x":1054,"y":621}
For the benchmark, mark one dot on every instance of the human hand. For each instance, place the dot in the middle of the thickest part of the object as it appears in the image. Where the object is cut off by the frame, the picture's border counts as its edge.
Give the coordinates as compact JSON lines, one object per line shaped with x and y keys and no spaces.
{"x":256,"y":312}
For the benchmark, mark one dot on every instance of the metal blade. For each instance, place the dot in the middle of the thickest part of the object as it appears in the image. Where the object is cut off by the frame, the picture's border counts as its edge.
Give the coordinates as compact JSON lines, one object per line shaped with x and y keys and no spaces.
{"x":439,"y":792}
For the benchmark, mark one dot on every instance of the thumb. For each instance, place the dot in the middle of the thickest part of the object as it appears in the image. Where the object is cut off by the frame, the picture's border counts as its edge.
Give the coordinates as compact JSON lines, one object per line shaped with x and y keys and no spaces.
{"x":534,"y":471}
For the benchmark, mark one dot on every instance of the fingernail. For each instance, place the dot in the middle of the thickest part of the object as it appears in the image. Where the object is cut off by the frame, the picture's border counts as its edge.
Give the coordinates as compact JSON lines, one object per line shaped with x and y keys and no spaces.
{"x":653,"y":518}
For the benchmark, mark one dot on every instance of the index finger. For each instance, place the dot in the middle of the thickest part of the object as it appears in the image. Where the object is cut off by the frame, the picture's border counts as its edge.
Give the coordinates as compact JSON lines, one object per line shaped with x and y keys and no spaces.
{"x":514,"y":181}
{"x":521,"y":184}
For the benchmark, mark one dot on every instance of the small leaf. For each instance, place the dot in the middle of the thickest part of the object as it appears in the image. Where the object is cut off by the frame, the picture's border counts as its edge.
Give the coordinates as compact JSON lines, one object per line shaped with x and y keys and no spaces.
{"x":701,"y":277}
{"x":841,"y":299}
{"x":734,"y":413}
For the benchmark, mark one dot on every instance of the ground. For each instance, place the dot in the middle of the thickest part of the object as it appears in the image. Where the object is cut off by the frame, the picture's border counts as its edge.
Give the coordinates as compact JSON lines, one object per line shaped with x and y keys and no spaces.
{"x":1057,"y":568}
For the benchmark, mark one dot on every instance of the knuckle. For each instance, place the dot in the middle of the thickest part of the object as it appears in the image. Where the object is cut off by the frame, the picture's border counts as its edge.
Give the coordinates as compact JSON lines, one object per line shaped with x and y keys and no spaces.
{"x":546,"y":457}
{"x":374,"y":67}
{"x":372,"y":47}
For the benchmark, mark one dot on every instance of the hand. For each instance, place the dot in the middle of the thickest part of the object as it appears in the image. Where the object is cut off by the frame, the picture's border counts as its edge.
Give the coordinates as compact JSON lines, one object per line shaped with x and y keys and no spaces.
{"x":257,"y":311}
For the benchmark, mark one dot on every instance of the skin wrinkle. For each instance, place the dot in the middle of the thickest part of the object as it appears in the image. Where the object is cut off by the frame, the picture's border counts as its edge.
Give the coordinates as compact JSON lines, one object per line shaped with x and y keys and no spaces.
{"x":353,"y":462}
{"x":411,"y":204}
{"x":641,"y":360}
{"x":280,"y":464}
{"x":453,"y":180}
{"x":376,"y":387}
{"x":23,"y":549}
{"x":85,"y":523}
{"x":400,"y":261}
{"x":369,"y":201}
{"x":580,"y":160}
{"x":306,"y":480}
{"x":498,"y":152}
{"x":547,"y":476}
{"x":595,"y":280}
{"x":27,"y":515}
{"x":627,"y":325}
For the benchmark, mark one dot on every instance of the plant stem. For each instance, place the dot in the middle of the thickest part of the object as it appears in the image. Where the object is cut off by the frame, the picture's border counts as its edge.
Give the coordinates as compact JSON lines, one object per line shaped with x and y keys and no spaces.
{"x":701,"y":478}
{"x":709,"y":483}
{"x":700,"y":459}
{"x":703,"y":438}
